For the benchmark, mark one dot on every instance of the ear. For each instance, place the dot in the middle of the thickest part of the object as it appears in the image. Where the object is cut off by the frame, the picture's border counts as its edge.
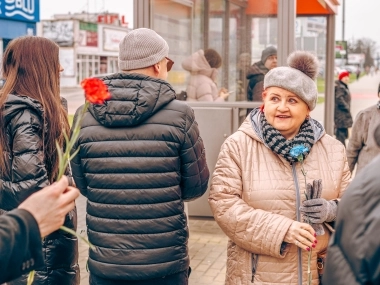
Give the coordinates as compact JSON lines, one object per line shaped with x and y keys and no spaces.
{"x":157,"y":68}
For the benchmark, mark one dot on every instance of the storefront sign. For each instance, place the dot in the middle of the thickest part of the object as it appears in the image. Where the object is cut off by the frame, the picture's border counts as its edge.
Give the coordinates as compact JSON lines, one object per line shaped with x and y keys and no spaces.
{"x":112,"y":38}
{"x":88,"y":34}
{"x":62,"y":32}
{"x":20,"y":10}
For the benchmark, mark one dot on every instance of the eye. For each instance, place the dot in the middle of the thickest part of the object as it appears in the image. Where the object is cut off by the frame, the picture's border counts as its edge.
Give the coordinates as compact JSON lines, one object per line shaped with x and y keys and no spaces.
{"x":292,"y":100}
{"x":274,"y":99}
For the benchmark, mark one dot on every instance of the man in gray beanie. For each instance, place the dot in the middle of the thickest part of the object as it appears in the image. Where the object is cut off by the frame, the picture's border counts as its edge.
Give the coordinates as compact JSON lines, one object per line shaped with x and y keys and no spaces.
{"x":140,"y":158}
{"x":257,"y":72}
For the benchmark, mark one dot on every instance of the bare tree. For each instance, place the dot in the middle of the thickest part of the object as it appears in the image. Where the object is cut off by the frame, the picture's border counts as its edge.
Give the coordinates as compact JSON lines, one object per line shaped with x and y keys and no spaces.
{"x":366,"y":46}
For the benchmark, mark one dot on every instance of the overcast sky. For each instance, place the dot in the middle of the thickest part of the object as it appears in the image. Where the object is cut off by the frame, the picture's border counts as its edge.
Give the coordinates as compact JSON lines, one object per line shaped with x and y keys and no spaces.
{"x":361,"y":15}
{"x":361,"y":20}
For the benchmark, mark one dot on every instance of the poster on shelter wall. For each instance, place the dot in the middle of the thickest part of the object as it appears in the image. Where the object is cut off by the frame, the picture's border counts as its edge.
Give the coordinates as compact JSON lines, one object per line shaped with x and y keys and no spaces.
{"x":66,"y":59}
{"x":61,"y":32}
{"x":112,"y":39}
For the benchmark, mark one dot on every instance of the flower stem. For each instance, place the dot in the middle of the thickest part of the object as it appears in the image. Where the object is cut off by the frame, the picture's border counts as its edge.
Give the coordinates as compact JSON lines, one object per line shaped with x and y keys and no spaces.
{"x":30,"y":277}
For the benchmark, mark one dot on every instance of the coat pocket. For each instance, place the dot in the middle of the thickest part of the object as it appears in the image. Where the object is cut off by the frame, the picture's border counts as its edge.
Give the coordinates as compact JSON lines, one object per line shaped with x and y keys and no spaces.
{"x":254,"y":261}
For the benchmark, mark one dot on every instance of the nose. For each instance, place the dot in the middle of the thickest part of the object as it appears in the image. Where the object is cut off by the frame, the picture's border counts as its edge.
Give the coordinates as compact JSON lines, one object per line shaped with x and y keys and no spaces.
{"x":282,"y":107}
{"x":61,"y":68}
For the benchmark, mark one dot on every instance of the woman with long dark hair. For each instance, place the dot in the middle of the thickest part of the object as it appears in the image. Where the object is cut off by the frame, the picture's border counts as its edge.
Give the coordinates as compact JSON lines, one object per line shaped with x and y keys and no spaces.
{"x":33,"y":121}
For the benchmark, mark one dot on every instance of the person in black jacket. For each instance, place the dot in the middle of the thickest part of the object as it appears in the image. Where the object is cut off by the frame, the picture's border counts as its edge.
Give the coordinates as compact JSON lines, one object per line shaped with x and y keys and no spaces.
{"x":353,"y":256}
{"x":21,"y":229}
{"x":33,"y":121}
{"x":257,"y":71}
{"x":342,"y":115}
{"x":140,"y":158}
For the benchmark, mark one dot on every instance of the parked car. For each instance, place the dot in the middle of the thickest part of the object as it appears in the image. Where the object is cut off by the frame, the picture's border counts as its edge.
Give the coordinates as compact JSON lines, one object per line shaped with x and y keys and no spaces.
{"x":2,"y":81}
{"x":338,"y":70}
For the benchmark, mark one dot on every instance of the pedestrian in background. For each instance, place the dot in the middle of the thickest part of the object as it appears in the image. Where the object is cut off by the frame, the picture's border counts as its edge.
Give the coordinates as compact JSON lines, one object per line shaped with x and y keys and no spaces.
{"x":203,"y":67}
{"x":33,"y":121}
{"x":362,"y":146}
{"x":353,"y":256}
{"x":141,"y":157}
{"x":258,"y":186}
{"x":257,"y":72}
{"x":342,"y":113}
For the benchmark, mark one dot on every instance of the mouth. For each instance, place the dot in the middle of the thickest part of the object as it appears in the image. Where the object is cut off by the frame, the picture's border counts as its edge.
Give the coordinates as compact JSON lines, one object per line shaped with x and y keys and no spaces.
{"x":282,"y":117}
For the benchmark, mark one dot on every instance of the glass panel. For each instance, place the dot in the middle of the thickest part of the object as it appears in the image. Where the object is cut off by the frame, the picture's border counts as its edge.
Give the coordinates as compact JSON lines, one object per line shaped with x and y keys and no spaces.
{"x":311,"y":36}
{"x":173,"y":20}
{"x":262,"y":33}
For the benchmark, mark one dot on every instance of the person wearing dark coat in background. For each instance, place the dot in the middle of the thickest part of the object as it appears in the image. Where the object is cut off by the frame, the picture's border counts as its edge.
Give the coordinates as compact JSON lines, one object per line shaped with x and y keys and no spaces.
{"x":353,"y":256}
{"x":257,"y":72}
{"x":21,"y":229}
{"x":342,"y":115}
{"x":140,"y":158}
{"x":33,"y":122}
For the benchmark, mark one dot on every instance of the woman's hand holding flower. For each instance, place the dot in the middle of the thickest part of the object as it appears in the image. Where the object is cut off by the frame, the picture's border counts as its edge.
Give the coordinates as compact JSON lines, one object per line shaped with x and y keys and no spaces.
{"x":302,"y":235}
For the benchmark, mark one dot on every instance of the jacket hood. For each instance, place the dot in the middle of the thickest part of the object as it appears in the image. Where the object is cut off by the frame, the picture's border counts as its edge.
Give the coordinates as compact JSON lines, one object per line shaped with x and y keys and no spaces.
{"x":252,"y":127}
{"x":198,"y":64}
{"x":338,"y":82}
{"x":257,"y":68}
{"x":17,"y":103}
{"x":134,"y":98}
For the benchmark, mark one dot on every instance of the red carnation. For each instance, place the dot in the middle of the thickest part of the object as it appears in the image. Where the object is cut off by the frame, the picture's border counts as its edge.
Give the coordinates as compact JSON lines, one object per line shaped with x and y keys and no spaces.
{"x":95,"y":90}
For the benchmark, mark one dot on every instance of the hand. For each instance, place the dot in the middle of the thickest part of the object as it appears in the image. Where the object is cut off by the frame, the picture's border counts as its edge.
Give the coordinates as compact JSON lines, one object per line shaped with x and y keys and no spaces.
{"x":314,"y":192}
{"x":50,"y":205}
{"x":302,"y":235}
{"x":223,"y":92}
{"x":319,"y":210}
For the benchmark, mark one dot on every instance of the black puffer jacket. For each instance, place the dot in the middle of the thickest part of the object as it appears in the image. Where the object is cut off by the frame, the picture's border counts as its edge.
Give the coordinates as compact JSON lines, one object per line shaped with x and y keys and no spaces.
{"x":353,"y":256}
{"x":342,"y":115}
{"x":140,"y":158}
{"x":27,"y":174}
{"x":255,"y":75}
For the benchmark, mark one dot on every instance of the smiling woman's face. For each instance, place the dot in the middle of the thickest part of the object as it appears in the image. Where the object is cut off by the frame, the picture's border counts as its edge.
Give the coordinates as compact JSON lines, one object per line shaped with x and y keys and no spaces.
{"x":285,"y":111}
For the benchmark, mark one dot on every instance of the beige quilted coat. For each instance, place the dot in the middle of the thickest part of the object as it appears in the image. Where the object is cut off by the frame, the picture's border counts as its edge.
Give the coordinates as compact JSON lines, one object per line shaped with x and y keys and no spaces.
{"x":253,"y":199}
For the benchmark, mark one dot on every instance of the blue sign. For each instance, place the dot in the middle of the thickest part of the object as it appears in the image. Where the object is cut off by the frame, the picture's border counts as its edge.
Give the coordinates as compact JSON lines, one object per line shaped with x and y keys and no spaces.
{"x":20,"y":10}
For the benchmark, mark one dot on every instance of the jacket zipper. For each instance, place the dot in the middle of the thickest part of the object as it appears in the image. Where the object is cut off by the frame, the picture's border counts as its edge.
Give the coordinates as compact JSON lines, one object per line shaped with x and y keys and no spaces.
{"x":295,"y":178}
{"x":255,"y":258}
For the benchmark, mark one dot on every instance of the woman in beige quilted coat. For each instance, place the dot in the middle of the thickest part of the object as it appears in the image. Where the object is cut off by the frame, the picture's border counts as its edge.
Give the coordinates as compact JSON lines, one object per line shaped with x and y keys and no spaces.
{"x":258,"y":188}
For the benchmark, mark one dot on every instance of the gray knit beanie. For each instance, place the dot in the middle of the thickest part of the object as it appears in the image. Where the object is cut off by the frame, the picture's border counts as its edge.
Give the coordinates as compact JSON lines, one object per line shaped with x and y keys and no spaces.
{"x":141,"y":48}
{"x":267,"y":52}
{"x":297,"y":78}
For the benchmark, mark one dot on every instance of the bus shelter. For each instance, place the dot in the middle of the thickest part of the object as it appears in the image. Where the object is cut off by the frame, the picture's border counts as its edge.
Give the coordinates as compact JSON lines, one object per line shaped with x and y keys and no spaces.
{"x":239,"y":30}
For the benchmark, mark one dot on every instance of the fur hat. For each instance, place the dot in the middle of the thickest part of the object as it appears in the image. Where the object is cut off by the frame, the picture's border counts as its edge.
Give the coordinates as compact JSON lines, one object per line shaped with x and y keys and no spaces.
{"x":298,"y":77}
{"x":342,"y":74}
{"x":141,"y":48}
{"x":213,"y":58}
{"x":267,"y":52}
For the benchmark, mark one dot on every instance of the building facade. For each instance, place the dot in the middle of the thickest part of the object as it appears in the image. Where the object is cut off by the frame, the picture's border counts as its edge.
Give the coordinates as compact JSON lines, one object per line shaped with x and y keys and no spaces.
{"x":89,"y":44}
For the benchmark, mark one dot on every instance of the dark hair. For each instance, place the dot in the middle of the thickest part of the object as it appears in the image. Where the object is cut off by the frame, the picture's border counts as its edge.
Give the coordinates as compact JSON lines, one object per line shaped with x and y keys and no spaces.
{"x":31,"y":68}
{"x":213,"y":58}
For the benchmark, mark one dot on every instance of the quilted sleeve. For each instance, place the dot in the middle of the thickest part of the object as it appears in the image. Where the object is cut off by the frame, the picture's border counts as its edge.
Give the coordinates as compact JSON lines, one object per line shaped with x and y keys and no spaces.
{"x":356,"y":142}
{"x":27,"y":172}
{"x":346,"y":174}
{"x":194,"y":170}
{"x":75,"y":163}
{"x":254,"y":230}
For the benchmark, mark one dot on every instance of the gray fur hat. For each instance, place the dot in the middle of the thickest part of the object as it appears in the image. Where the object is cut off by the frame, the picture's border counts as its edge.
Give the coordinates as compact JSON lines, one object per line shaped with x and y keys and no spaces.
{"x":297,"y":78}
{"x":141,"y":48}
{"x":267,"y":52}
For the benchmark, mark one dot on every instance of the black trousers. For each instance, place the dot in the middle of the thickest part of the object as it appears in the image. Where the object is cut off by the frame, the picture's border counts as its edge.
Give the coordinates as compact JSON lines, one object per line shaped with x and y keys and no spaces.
{"x":341,"y":135}
{"x":180,"y":278}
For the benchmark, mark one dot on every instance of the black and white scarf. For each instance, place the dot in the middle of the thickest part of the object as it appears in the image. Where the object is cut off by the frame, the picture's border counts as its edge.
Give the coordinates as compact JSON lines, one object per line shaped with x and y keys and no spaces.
{"x":278,"y":144}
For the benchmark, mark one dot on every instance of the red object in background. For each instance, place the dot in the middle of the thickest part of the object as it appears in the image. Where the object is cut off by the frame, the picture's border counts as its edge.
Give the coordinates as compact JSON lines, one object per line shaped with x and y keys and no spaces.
{"x":95,"y":90}
{"x":112,"y":19}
